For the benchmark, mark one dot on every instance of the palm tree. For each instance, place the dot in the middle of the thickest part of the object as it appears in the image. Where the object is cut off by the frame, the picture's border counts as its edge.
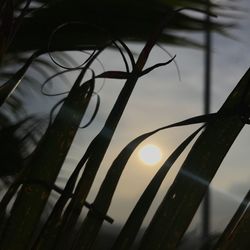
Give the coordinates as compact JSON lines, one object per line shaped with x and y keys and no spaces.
{"x":45,"y":26}
{"x":41,"y":25}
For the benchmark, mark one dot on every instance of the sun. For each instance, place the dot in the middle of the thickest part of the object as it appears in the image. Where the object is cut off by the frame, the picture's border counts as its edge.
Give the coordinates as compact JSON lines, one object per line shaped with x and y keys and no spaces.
{"x":150,"y":154}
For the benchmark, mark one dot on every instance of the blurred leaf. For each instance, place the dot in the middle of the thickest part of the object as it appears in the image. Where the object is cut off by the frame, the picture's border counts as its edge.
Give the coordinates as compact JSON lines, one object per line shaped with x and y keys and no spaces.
{"x":130,"y":20}
{"x":47,"y":160}
{"x":7,"y":88}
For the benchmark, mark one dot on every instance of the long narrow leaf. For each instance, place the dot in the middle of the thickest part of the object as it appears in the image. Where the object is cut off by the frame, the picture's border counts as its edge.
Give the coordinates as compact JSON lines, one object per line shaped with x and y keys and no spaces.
{"x":54,"y":223}
{"x":45,"y":166}
{"x":127,"y":151}
{"x":236,"y":234}
{"x":7,"y":88}
{"x":123,"y":157}
{"x":103,"y":139}
{"x":132,"y":226}
{"x":92,"y":223}
{"x":52,"y":228}
{"x":184,"y":196}
{"x":65,"y":126}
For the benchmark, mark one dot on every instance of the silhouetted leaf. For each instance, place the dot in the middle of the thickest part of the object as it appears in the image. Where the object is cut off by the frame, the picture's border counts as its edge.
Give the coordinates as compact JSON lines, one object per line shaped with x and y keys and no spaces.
{"x":49,"y":155}
{"x":236,"y":236}
{"x":185,"y":194}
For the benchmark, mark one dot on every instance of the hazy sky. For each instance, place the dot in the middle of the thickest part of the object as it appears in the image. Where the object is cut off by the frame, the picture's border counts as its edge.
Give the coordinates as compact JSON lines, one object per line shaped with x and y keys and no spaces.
{"x":160,"y":98}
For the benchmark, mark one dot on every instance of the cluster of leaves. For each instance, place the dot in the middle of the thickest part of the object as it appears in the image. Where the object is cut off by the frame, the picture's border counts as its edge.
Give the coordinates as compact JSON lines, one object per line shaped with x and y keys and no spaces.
{"x":34,"y":183}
